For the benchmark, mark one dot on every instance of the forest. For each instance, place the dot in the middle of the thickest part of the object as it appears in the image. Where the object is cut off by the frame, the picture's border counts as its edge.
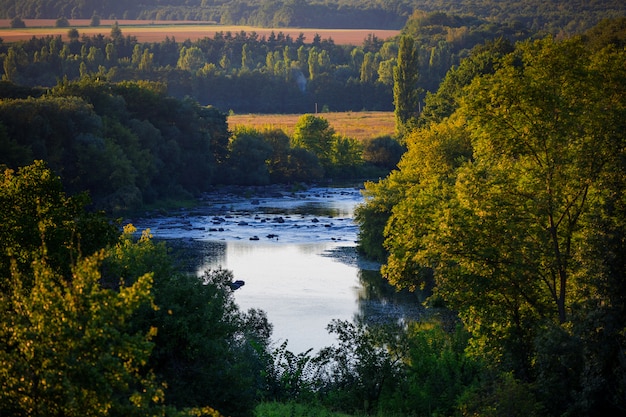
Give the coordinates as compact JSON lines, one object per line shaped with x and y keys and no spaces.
{"x":247,"y":73}
{"x":552,"y":16}
{"x":244,"y":72}
{"x":502,"y":197}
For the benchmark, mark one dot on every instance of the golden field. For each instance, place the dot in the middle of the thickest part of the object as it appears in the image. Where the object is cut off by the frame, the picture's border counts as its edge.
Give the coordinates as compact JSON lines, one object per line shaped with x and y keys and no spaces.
{"x":156,"y":31}
{"x":357,"y":125}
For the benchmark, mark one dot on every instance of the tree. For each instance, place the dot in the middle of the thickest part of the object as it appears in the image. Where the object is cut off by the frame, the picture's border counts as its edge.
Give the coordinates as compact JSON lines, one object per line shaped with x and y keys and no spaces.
{"x":73,"y":34}
{"x":247,"y":62}
{"x":369,"y":68}
{"x":346,"y":157}
{"x":116,"y":33}
{"x":313,"y":63}
{"x":316,"y":135}
{"x":382,"y":151}
{"x":95,"y":20}
{"x":505,"y":230}
{"x":405,"y":88}
{"x":365,"y":364}
{"x":281,"y":146}
{"x":247,"y":159}
{"x":205,"y":348}
{"x":65,"y":343}
{"x":9,"y":65}
{"x":17,"y":23}
{"x":62,"y":22}
{"x":191,"y":59}
{"x":67,"y":348}
{"x":36,"y":214}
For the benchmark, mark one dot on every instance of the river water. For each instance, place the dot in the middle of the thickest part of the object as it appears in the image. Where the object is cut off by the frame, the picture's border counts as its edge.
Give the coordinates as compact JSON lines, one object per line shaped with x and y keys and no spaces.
{"x":296,"y":253}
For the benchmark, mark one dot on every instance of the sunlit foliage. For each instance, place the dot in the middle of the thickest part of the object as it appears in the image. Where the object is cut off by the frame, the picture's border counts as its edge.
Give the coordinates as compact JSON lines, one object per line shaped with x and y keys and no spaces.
{"x":500,"y":199}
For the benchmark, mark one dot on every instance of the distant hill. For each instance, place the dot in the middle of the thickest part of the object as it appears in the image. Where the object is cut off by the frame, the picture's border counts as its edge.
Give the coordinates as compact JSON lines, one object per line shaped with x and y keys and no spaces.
{"x":554,"y":16}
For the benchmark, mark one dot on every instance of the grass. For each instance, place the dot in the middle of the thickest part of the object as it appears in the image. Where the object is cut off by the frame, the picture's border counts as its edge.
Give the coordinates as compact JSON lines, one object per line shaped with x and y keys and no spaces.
{"x":156,"y":31}
{"x":356,"y":125}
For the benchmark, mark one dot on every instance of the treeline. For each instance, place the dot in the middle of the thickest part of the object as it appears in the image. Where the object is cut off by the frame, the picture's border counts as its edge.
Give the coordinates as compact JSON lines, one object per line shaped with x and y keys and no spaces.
{"x":555,"y":16}
{"x":509,"y":207}
{"x":129,"y":144}
{"x":241,"y":72}
{"x":245,"y":73}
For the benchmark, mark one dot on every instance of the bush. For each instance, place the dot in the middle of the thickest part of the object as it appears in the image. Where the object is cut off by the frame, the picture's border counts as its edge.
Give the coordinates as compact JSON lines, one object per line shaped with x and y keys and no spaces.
{"x":17,"y":23}
{"x":62,"y":22}
{"x":95,"y":20}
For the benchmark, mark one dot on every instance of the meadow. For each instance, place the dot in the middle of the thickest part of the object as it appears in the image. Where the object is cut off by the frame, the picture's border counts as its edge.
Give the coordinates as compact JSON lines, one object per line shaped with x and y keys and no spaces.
{"x":357,"y":125}
{"x":157,"y":31}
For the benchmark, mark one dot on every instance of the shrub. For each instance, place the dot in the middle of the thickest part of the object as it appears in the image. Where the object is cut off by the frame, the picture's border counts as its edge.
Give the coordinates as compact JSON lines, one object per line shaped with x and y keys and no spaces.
{"x":17,"y":23}
{"x":62,"y":22}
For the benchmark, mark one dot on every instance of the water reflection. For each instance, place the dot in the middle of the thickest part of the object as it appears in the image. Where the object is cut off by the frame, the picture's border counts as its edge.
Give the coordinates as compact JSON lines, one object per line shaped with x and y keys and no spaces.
{"x":379,"y":302}
{"x":308,"y":276}
{"x":300,"y":290}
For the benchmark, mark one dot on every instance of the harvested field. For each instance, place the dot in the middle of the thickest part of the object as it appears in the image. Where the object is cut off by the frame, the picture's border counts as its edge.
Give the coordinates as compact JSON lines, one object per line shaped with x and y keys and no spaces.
{"x":357,"y":125}
{"x":156,"y":31}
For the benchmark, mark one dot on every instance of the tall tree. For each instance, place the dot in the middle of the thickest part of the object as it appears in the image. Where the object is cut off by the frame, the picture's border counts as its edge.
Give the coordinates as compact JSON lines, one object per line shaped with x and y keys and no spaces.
{"x":405,"y":89}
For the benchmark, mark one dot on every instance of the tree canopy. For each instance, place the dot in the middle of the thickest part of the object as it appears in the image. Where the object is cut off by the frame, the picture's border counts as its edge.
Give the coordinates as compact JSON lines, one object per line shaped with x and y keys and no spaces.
{"x":498,"y":202}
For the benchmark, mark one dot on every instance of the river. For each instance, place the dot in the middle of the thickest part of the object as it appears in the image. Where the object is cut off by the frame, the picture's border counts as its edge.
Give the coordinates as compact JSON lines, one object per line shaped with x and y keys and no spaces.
{"x":296,"y":253}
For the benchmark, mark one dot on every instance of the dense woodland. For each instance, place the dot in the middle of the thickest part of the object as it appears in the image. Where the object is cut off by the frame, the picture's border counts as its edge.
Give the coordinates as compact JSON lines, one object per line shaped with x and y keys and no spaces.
{"x":244,"y":72}
{"x":130,"y":145}
{"x":507,"y":207}
{"x":551,"y":16}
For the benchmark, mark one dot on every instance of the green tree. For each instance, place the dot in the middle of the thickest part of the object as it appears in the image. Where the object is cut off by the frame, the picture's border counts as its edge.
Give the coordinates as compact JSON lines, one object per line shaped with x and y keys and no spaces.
{"x":17,"y":23}
{"x":356,"y":373}
{"x":111,"y":53}
{"x":95,"y":20}
{"x":313,"y":63}
{"x":281,"y":147}
{"x":369,"y":68}
{"x":67,"y":346}
{"x":15,"y":59}
{"x":405,"y":85}
{"x":205,"y":348}
{"x":247,"y":160}
{"x":191,"y":59}
{"x":73,"y":34}
{"x":246,"y":58}
{"x":382,"y":151}
{"x":505,"y":231}
{"x":303,"y":165}
{"x":316,"y":135}
{"x":62,"y":22}
{"x":347,"y":157}
{"x":36,"y":214}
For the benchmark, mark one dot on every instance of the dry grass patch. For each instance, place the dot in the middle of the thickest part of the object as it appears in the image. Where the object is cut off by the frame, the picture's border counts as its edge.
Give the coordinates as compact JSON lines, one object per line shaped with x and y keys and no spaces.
{"x":357,"y":125}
